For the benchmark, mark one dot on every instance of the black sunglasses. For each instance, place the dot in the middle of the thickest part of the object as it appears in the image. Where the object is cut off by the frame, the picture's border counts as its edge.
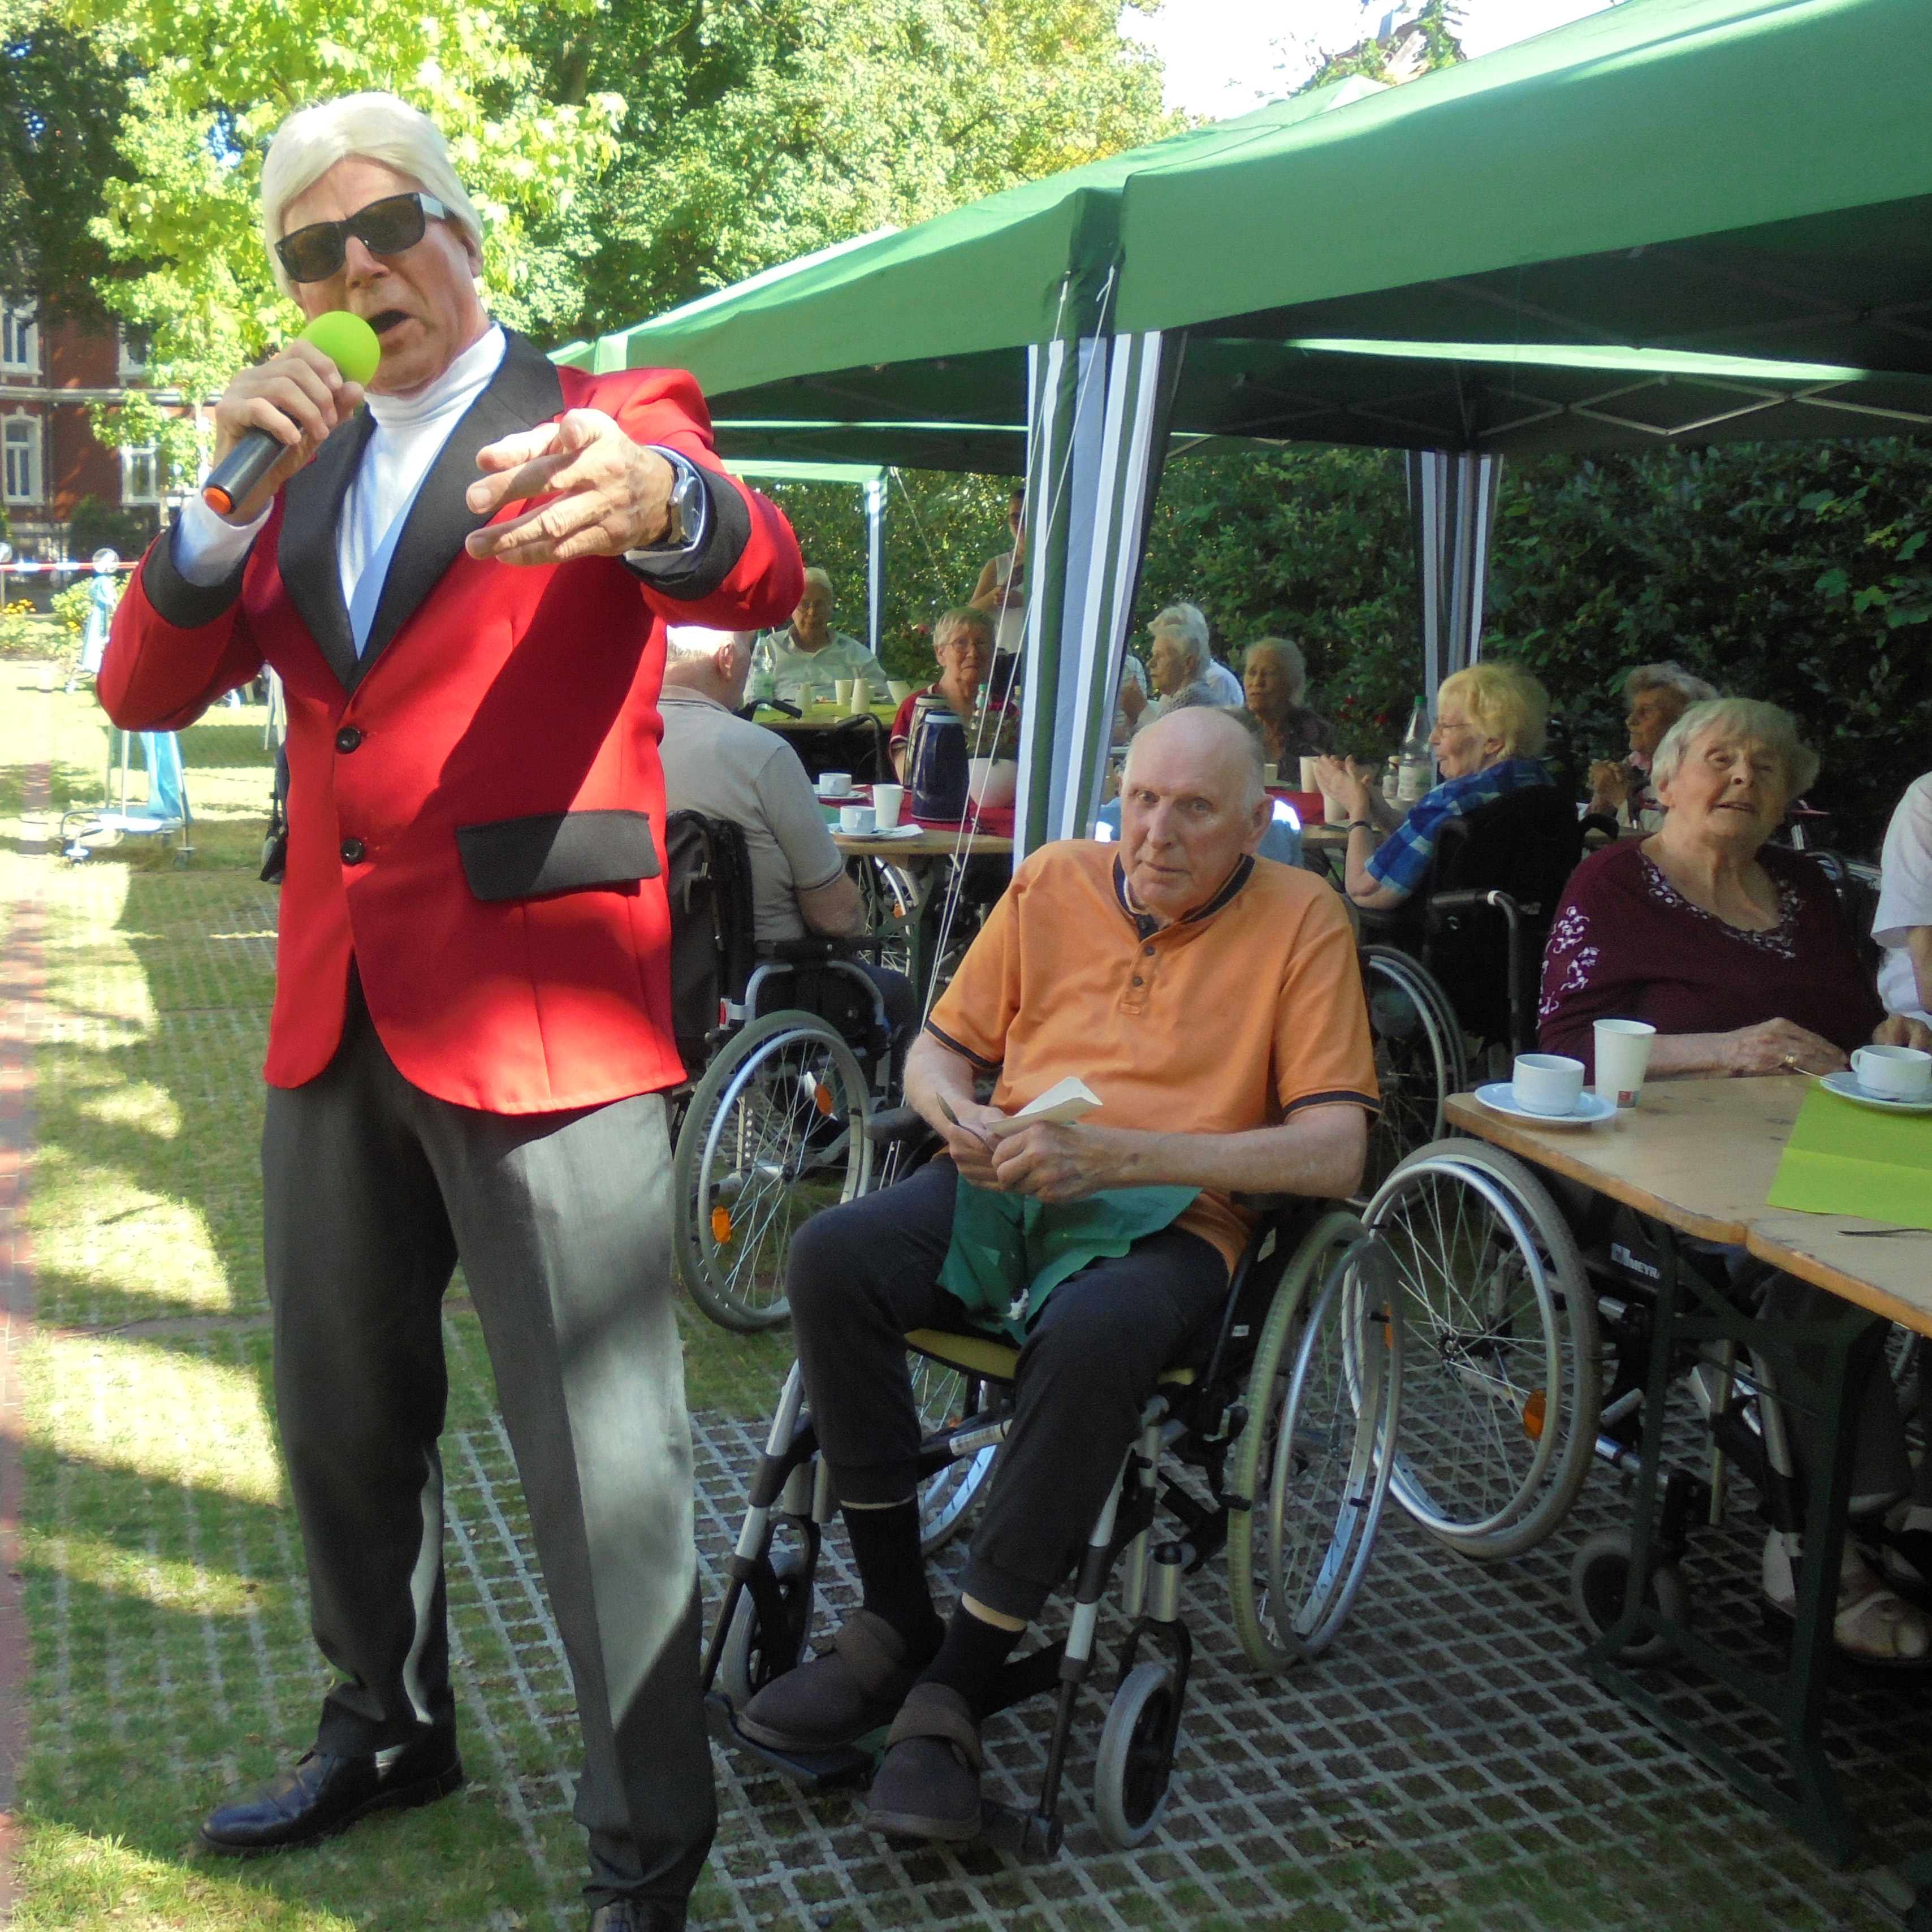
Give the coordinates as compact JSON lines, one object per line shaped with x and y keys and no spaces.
{"x":389,"y":226}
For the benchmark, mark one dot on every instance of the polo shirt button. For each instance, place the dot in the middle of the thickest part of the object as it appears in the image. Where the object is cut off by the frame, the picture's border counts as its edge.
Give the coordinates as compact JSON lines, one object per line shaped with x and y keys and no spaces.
{"x":1138,"y":980}
{"x":1148,"y":950}
{"x":352,"y":851}
{"x":348,"y":738}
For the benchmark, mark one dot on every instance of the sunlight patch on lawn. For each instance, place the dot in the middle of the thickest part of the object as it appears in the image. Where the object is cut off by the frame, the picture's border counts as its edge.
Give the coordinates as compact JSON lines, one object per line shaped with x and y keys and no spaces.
{"x":98,"y":1563}
{"x":75,"y":1881}
{"x":168,"y":1416}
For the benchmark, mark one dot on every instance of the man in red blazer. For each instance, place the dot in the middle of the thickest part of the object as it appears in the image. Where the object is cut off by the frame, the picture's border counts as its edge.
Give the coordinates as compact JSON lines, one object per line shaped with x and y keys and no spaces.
{"x":463,"y":582}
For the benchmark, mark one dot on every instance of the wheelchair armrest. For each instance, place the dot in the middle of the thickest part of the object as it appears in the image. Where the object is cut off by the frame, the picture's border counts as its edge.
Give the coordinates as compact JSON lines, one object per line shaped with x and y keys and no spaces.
{"x":801,"y":952}
{"x":1460,"y":901}
{"x":895,"y":1123}
{"x":1266,"y":1204}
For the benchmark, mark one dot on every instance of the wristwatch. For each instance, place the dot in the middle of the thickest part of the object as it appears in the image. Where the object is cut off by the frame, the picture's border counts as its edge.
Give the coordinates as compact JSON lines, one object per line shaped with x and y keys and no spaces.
{"x":690,"y":505}
{"x":1361,"y":825}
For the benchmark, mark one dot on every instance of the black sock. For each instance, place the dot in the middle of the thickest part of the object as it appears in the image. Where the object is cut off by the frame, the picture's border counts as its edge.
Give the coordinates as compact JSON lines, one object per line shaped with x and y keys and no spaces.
{"x":970,"y":1657}
{"x":885,"y":1546}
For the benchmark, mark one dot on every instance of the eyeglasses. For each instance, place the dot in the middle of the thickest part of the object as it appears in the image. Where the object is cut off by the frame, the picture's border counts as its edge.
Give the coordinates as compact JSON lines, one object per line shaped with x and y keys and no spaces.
{"x":390,"y":226}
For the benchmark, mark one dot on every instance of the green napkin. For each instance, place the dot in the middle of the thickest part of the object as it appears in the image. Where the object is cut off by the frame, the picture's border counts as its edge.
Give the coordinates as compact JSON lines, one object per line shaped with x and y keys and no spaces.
{"x":1010,"y":1251}
{"x":1844,"y":1158}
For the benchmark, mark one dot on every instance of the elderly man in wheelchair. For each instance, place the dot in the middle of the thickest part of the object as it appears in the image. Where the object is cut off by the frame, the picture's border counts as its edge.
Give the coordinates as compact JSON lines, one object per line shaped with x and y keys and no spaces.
{"x":1211,"y":1001}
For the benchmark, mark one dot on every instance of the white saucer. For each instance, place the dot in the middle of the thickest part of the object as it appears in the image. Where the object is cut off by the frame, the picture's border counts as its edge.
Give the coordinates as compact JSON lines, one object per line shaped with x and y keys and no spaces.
{"x":1499,"y":1096}
{"x":854,"y":796}
{"x":1846,"y":1086}
{"x":887,"y":832}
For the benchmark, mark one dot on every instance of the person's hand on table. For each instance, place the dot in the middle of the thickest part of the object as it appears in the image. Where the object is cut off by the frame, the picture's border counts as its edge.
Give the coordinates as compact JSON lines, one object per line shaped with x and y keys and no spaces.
{"x":1779,"y":1046}
{"x":1610,"y":786}
{"x":1056,"y":1163}
{"x":1901,"y":1030}
{"x":592,"y":492}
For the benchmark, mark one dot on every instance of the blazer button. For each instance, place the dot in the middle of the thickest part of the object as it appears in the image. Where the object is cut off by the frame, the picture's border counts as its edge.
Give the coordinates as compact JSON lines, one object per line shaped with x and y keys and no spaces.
{"x":348,"y":738}
{"x":352,"y":851}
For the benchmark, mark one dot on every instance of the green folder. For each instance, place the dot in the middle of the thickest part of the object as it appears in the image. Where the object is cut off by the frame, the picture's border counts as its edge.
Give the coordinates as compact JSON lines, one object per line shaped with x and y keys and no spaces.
{"x":1844,"y":1158}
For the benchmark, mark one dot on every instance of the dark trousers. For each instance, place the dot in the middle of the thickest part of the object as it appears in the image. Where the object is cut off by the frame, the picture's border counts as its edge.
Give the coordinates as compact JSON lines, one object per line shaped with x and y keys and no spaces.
{"x":860,"y":1276}
{"x":372,"y":1191}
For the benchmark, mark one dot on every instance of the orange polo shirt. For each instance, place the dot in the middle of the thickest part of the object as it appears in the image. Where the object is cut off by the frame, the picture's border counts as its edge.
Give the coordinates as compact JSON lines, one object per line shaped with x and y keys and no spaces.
{"x":1229,"y":1019}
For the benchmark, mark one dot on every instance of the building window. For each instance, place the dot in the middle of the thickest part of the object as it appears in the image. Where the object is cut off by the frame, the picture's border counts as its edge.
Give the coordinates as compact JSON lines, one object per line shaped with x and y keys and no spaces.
{"x":20,"y":440}
{"x":140,"y":475}
{"x":133,"y":351}
{"x":19,"y":340}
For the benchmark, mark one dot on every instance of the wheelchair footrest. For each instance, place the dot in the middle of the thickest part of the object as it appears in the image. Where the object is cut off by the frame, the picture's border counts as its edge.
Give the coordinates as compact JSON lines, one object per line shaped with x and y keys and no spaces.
{"x":817,"y":1770}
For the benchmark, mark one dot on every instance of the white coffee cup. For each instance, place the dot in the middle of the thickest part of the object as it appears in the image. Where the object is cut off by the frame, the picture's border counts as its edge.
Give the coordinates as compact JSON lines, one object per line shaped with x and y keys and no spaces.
{"x":1308,"y":783}
{"x":1623,"y":1055}
{"x":888,"y":801}
{"x":842,"y":690}
{"x":835,"y":784}
{"x":1898,"y":1073}
{"x":856,"y":818}
{"x":1546,"y":1083}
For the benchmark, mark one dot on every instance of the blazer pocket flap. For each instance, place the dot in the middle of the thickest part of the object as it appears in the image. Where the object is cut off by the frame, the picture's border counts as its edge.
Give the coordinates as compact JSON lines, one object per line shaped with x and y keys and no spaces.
{"x":556,"y":852}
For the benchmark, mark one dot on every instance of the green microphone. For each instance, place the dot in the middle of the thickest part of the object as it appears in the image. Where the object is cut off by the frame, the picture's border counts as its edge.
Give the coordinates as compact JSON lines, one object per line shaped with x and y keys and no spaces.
{"x":350,"y":343}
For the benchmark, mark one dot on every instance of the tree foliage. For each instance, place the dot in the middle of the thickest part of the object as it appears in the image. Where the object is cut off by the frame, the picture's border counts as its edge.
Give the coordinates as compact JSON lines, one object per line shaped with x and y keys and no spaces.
{"x":61,"y":103}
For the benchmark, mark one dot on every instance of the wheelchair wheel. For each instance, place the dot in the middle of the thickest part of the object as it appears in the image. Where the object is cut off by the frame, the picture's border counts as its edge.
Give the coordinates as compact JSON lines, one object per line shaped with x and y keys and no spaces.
{"x":1136,"y":1761}
{"x":1598,"y":1579}
{"x":1323,"y":1400}
{"x":753,"y":1653}
{"x":891,"y":897}
{"x":944,"y":1395}
{"x":1502,"y":1380}
{"x":774,"y":1132}
{"x":1419,"y":1057}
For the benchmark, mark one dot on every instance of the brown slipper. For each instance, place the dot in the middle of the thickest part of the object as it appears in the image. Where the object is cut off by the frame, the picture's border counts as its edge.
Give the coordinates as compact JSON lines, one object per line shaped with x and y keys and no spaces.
{"x":834,"y":1700}
{"x":927,"y":1785}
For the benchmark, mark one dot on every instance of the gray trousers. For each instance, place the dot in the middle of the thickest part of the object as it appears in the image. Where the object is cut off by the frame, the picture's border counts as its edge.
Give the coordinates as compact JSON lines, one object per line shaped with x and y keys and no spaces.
{"x":372,"y":1191}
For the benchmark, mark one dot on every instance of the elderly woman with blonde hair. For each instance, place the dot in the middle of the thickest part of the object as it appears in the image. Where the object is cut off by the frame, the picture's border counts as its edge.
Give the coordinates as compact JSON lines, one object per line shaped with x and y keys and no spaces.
{"x":1490,"y":722}
{"x":1740,"y":955}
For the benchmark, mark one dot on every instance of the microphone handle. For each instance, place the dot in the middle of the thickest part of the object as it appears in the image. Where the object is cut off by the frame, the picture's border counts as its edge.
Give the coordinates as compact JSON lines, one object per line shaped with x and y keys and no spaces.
{"x":234,"y":478}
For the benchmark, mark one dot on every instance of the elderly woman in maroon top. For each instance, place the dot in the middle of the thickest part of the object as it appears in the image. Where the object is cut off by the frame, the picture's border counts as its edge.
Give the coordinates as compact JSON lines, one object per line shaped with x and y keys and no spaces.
{"x":1740,"y":955}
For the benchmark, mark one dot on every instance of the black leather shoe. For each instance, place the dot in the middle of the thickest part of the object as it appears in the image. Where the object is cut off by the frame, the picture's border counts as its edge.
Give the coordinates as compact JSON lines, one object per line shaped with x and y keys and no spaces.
{"x":324,"y":1795}
{"x":627,"y":1914}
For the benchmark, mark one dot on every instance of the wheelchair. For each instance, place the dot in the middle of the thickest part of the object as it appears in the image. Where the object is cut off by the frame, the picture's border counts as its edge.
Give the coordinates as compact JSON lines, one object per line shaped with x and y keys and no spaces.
{"x":1284,"y":1414}
{"x":1531,"y":1306}
{"x":1479,"y":918}
{"x":795,"y":1053}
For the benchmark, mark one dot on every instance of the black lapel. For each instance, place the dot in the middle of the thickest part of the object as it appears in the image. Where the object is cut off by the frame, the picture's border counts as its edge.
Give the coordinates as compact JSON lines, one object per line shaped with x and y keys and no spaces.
{"x":525,"y":390}
{"x":306,"y":554}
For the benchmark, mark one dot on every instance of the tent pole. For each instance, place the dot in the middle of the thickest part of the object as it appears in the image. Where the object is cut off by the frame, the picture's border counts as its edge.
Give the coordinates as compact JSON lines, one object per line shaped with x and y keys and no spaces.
{"x":875,"y":561}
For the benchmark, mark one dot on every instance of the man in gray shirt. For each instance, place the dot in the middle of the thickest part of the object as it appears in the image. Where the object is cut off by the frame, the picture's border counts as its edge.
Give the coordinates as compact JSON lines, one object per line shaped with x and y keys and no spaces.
{"x":723,"y":766}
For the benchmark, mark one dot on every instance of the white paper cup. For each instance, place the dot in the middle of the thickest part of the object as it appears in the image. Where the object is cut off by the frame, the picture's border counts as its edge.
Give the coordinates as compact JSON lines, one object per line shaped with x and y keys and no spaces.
{"x":888,"y":801}
{"x":1898,"y":1073}
{"x":861,"y":700}
{"x":838,"y":783}
{"x":899,"y":688}
{"x":1623,"y":1053}
{"x":1271,"y":774}
{"x":1308,"y":783}
{"x":855,"y":818}
{"x":841,"y":688}
{"x":1546,"y":1083}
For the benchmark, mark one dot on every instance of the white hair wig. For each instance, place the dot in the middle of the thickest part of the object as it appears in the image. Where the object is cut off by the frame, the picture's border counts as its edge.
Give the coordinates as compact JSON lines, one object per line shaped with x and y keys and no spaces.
{"x":375,"y":127}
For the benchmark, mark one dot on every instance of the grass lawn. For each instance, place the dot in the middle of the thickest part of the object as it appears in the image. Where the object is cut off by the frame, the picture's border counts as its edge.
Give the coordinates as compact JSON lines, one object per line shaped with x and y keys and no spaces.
{"x":171,"y":1652}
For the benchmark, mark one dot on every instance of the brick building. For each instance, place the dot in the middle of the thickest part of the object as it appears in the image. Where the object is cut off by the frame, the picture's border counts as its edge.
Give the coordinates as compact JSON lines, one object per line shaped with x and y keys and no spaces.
{"x":52,"y":464}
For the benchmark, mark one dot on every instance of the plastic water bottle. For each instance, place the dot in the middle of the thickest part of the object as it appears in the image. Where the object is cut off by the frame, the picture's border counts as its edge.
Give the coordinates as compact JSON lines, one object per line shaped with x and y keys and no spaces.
{"x":1418,"y":762}
{"x":1392,"y":778}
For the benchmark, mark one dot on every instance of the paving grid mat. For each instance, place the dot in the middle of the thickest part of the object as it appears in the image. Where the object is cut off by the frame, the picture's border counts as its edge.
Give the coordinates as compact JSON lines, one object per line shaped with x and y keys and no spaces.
{"x":1447,"y":1763}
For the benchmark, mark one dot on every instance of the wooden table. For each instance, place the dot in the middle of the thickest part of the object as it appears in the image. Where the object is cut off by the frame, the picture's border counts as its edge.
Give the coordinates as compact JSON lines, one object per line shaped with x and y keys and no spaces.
{"x":925,"y":860}
{"x":1698,"y":1157}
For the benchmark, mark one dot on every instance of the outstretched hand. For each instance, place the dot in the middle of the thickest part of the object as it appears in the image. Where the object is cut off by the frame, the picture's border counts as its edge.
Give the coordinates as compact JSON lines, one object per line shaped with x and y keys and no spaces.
{"x":591,"y":492}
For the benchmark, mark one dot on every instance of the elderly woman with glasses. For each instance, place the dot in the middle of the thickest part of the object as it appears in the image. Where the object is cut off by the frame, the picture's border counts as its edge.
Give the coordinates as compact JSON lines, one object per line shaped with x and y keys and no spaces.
{"x":962,"y":641}
{"x":1740,"y":955}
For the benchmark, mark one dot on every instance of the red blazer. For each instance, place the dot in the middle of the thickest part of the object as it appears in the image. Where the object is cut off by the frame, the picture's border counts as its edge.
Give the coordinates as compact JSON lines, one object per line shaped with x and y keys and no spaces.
{"x":476,"y":807}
